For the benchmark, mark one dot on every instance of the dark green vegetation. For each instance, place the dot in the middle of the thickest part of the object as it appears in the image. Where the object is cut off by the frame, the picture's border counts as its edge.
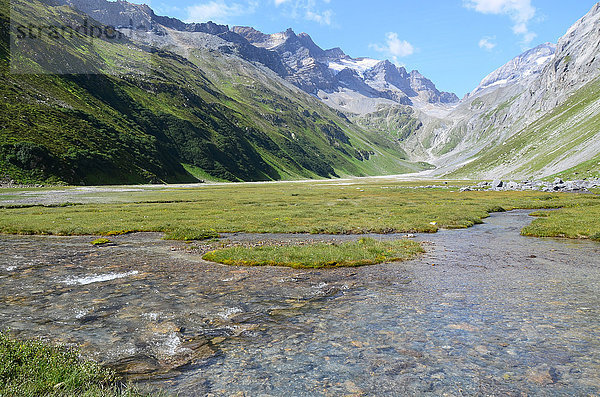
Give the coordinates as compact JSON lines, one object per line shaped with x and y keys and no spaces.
{"x":315,"y":207}
{"x":363,"y":252}
{"x":146,"y":115}
{"x":33,"y":368}
{"x":398,"y":122}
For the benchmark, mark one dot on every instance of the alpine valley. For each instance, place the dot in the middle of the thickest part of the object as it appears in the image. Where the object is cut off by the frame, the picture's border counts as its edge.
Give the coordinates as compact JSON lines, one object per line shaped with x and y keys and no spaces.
{"x":162,"y":101}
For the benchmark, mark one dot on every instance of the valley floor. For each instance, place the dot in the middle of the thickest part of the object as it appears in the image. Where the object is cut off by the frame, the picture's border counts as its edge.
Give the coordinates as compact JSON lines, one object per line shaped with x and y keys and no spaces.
{"x":347,"y":206}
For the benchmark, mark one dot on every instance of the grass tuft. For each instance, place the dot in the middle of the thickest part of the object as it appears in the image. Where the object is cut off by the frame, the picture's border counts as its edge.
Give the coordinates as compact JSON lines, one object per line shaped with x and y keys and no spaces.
{"x":118,"y":232}
{"x":34,"y":368}
{"x":366,"y":251}
{"x":578,"y":222}
{"x":191,"y":234}
{"x":101,"y":241}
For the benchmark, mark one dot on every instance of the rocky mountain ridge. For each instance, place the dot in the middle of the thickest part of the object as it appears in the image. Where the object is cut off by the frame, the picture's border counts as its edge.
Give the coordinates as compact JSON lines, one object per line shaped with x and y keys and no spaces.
{"x":520,"y":70}
{"x":333,"y":76}
{"x":292,"y":56}
{"x":540,"y":123}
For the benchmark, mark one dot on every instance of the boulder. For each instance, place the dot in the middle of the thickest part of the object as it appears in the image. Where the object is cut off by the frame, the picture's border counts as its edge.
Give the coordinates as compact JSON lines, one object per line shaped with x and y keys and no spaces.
{"x":513,"y":186}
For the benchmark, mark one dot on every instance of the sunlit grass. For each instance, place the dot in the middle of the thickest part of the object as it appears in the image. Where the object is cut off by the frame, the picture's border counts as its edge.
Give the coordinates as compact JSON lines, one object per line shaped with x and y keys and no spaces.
{"x":574,"y":222}
{"x":365,"y":251}
{"x":33,"y":368}
{"x":357,"y":207}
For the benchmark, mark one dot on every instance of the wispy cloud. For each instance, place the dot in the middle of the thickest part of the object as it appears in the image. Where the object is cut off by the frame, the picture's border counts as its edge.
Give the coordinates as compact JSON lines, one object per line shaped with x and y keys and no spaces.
{"x":394,"y":47}
{"x":521,"y":12}
{"x":310,"y":10}
{"x":487,"y":43}
{"x":218,"y":11}
{"x":324,"y":18}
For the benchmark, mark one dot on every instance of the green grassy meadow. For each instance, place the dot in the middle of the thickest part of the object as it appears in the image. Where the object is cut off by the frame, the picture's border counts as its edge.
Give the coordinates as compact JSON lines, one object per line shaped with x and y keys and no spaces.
{"x":336,"y":207}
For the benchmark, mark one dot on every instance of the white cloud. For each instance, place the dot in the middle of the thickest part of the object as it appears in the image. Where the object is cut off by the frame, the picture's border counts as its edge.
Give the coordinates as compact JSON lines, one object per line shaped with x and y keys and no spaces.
{"x":218,"y":11}
{"x":394,"y":47}
{"x":311,"y":10}
{"x":397,"y":47}
{"x":521,"y":12}
{"x":487,"y":43}
{"x":324,"y":18}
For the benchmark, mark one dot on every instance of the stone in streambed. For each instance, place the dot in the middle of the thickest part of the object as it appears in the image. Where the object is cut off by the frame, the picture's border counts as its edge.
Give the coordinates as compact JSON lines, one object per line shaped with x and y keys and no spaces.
{"x":543,"y":376}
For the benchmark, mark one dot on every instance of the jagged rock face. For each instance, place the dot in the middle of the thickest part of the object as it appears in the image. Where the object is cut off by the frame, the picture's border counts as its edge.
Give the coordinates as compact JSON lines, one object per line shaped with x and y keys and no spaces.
{"x":317,"y":70}
{"x":349,"y":79}
{"x":335,"y":53}
{"x":403,"y":86}
{"x":310,"y":75}
{"x":299,"y":53}
{"x":385,"y":74}
{"x":260,"y":39}
{"x":119,"y":13}
{"x":575,"y":63}
{"x":427,"y":91}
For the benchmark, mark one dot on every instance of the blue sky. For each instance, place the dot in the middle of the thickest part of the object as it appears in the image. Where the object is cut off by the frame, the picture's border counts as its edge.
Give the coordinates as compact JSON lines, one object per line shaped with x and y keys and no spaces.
{"x":455,"y":43}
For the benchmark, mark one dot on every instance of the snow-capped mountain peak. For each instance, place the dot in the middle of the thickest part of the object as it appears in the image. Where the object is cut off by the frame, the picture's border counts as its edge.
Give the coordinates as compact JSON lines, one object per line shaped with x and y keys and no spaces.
{"x":521,"y":68}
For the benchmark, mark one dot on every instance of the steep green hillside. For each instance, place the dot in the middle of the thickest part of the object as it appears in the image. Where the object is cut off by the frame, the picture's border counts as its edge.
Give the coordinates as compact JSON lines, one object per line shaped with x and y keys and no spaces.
{"x":555,"y":142}
{"x":398,"y":122}
{"x":148,"y":115}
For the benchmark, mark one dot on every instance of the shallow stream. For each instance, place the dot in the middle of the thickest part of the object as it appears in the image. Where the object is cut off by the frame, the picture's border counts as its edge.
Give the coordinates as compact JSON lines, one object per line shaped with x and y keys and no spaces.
{"x":484,"y":312}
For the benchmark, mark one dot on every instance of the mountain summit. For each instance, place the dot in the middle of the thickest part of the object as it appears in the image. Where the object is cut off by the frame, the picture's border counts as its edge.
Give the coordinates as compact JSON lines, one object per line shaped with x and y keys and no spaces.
{"x":354,"y":85}
{"x":522,"y":69}
{"x":292,"y":56}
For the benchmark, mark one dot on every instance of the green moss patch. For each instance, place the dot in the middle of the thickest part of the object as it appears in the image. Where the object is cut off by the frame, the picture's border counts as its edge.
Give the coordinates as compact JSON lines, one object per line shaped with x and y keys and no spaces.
{"x":366,"y":251}
{"x":101,"y":241}
{"x":578,"y":222}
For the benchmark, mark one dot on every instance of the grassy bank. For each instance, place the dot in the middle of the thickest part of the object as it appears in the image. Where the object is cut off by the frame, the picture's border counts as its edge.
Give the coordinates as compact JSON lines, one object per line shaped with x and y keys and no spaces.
{"x":574,"y":222}
{"x":33,"y":368}
{"x":317,"y":207}
{"x":363,"y":252}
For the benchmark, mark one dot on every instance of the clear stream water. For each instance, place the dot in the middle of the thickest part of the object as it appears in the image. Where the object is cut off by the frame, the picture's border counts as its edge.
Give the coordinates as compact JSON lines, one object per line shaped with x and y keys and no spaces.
{"x":484,"y":312}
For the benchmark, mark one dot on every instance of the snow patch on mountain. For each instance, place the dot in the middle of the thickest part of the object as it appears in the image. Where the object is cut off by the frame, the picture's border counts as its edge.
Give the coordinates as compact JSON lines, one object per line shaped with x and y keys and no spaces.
{"x":359,"y":65}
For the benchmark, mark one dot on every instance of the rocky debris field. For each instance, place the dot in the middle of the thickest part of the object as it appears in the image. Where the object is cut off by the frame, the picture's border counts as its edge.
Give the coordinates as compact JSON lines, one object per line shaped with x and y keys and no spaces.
{"x":8,"y":183}
{"x":558,"y":185}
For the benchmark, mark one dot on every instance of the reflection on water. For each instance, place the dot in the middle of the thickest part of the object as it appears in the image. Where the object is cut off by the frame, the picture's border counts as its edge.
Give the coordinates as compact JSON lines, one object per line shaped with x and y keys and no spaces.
{"x":485,"y":311}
